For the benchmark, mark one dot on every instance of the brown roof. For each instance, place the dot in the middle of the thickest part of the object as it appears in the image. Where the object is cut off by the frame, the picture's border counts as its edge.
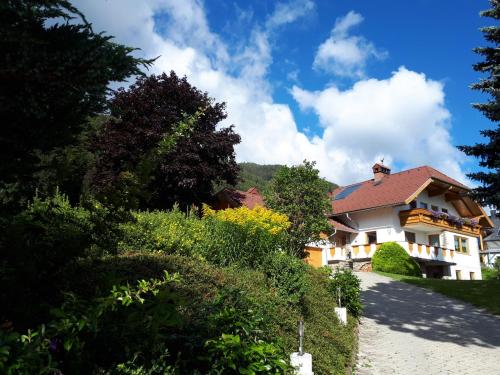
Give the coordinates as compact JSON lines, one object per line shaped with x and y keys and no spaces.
{"x":340,"y":226}
{"x":393,"y":189}
{"x":236,"y":198}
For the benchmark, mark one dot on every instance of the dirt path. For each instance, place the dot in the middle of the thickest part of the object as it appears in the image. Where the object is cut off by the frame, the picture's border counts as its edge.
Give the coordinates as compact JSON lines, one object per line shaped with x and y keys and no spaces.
{"x":410,"y":330}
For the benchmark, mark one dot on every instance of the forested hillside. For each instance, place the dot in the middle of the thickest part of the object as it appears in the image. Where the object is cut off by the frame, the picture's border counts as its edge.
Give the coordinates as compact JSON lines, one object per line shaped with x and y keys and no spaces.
{"x":259,"y":175}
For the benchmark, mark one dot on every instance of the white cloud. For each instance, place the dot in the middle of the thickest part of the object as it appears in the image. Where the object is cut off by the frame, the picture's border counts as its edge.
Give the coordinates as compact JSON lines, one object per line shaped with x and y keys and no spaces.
{"x":345,"y":55}
{"x":285,"y":13}
{"x":402,"y":118}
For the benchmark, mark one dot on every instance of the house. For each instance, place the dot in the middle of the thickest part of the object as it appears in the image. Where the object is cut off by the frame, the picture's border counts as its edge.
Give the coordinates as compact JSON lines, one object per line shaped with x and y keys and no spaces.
{"x":232,"y":198}
{"x":491,"y":242}
{"x":428,"y":213}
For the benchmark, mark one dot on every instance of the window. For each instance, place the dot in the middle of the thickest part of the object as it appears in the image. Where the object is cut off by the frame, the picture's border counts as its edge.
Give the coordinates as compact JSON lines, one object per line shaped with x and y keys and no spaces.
{"x":445,"y":210}
{"x":413,"y":204}
{"x":434,"y":208}
{"x":434,"y":240}
{"x":424,"y":205}
{"x":372,"y":237}
{"x":410,"y":237}
{"x":473,"y":276}
{"x":459,"y":274}
{"x":461,"y":244}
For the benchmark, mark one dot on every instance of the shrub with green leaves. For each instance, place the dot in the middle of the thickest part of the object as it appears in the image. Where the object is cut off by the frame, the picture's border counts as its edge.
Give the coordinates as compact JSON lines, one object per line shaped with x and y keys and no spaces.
{"x":393,"y":258}
{"x":349,"y":286}
{"x":88,"y":336}
{"x":218,"y":300}
{"x":226,"y":243}
{"x":287,"y":274}
{"x":36,"y":245}
{"x":171,"y":232}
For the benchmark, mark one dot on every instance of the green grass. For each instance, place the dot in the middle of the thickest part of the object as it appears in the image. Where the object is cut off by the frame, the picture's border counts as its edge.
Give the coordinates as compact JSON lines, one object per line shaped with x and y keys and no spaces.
{"x":481,"y":293}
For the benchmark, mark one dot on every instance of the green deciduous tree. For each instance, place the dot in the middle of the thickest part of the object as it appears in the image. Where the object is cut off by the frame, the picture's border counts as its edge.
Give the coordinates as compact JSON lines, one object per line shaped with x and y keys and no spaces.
{"x":162,"y":145}
{"x":489,"y":152}
{"x":54,"y":75}
{"x":301,"y":194}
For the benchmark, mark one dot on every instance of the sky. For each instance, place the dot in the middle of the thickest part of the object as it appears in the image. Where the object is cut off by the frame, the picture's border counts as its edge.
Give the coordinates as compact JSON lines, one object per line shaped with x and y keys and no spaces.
{"x":343,"y":83}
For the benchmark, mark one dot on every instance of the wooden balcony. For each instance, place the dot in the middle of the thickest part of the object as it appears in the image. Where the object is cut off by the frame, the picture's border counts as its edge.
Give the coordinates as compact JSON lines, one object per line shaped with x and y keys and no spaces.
{"x":421,"y":218}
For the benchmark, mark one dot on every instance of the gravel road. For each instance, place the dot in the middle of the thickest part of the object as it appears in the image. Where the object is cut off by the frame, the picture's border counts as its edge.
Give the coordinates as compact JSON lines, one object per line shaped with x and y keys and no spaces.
{"x":410,"y":330}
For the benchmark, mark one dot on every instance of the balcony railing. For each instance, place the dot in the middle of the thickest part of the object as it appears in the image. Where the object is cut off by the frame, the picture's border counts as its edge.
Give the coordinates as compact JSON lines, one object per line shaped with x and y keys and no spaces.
{"x":438,"y":219}
{"x":416,"y":250}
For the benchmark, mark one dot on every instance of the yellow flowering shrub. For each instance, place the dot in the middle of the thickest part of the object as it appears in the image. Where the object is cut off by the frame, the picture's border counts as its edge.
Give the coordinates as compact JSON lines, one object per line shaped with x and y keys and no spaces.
{"x":257,"y":217}
{"x":172,"y":232}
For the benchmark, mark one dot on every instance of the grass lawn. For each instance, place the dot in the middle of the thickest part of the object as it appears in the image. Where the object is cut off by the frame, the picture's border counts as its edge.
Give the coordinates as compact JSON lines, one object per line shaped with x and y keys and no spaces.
{"x":481,"y":293}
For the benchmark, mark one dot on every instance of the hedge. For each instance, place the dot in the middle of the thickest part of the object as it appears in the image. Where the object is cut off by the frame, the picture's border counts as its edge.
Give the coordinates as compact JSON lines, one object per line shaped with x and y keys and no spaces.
{"x":392,"y":258}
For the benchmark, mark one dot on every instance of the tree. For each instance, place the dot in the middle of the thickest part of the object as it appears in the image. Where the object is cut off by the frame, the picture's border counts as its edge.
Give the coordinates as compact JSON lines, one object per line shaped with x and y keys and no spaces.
{"x":54,"y":75}
{"x":162,"y":145}
{"x":488,"y":152}
{"x":301,"y":194}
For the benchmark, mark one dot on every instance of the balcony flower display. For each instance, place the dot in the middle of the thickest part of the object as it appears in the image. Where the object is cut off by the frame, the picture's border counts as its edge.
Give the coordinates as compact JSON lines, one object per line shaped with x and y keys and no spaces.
{"x":454,"y":220}
{"x":435,"y":215}
{"x":474,"y":222}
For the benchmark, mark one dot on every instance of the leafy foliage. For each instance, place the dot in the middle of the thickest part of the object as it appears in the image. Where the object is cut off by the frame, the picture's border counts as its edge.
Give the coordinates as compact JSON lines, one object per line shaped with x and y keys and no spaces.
{"x":162,"y":145}
{"x":39,"y":242}
{"x":172,"y":232}
{"x":350,"y":290}
{"x":53,"y":78}
{"x":392,"y":258}
{"x":258,"y":217}
{"x":230,"y":237}
{"x":301,"y":194}
{"x":210,"y":293}
{"x":288,"y":275}
{"x":83,"y":336}
{"x":488,"y":152}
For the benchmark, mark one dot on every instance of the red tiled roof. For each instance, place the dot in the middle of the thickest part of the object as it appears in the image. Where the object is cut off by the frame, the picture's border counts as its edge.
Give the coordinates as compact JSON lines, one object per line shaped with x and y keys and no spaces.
{"x":391,"y":190}
{"x":249,"y":198}
{"x":342,"y":227}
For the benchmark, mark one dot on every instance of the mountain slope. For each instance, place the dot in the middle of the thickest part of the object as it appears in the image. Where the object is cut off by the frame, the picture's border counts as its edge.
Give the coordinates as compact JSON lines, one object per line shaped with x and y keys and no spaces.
{"x":259,"y":175}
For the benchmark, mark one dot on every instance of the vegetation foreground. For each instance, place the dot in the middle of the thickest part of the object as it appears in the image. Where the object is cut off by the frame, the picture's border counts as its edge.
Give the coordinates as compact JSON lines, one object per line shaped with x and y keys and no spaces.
{"x":480,"y":293}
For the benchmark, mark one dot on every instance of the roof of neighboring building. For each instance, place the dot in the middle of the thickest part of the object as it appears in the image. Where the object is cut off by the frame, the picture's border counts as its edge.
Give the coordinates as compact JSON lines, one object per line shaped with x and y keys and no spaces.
{"x":236,"y":198}
{"x":495,"y":234}
{"x":340,"y":226}
{"x":392,"y":189}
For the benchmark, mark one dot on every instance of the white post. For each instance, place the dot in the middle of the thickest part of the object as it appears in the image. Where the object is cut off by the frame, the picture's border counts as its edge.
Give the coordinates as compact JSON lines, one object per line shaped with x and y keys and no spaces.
{"x":300,"y":361}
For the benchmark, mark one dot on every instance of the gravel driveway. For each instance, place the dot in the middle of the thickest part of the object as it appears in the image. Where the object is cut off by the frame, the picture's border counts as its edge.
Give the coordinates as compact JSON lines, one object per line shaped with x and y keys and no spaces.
{"x":410,"y":330}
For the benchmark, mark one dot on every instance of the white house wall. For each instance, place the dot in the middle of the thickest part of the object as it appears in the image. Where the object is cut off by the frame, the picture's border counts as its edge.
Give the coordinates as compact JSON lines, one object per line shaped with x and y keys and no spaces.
{"x":386,"y":223}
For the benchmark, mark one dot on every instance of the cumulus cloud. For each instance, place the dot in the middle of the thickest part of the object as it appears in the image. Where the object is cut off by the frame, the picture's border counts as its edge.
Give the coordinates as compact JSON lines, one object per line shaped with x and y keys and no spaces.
{"x":345,"y":55}
{"x":402,"y":118}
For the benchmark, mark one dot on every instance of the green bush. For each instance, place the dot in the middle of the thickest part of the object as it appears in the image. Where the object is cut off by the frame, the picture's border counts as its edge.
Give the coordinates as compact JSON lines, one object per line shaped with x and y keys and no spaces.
{"x":350,"y":290}
{"x":87,"y":336}
{"x":218,"y":300}
{"x":171,"y":232}
{"x":288,"y":275}
{"x":493,"y":272}
{"x":392,"y":258}
{"x":227,"y":244}
{"x":36,"y":245}
{"x":220,"y":242}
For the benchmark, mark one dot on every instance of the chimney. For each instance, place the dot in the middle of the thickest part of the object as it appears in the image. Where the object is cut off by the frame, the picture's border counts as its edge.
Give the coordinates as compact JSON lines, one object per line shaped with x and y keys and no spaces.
{"x":379,"y":171}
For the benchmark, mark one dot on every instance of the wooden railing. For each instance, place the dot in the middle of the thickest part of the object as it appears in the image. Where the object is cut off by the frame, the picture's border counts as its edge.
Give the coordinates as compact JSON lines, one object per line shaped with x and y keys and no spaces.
{"x":423,"y":216}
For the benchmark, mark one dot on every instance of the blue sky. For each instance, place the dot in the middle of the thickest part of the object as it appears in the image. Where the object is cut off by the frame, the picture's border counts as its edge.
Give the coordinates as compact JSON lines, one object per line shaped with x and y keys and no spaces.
{"x":340,"y":82}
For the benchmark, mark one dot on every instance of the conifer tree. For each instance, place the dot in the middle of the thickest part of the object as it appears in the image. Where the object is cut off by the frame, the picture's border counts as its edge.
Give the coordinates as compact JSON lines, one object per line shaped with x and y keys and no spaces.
{"x":489,"y":152}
